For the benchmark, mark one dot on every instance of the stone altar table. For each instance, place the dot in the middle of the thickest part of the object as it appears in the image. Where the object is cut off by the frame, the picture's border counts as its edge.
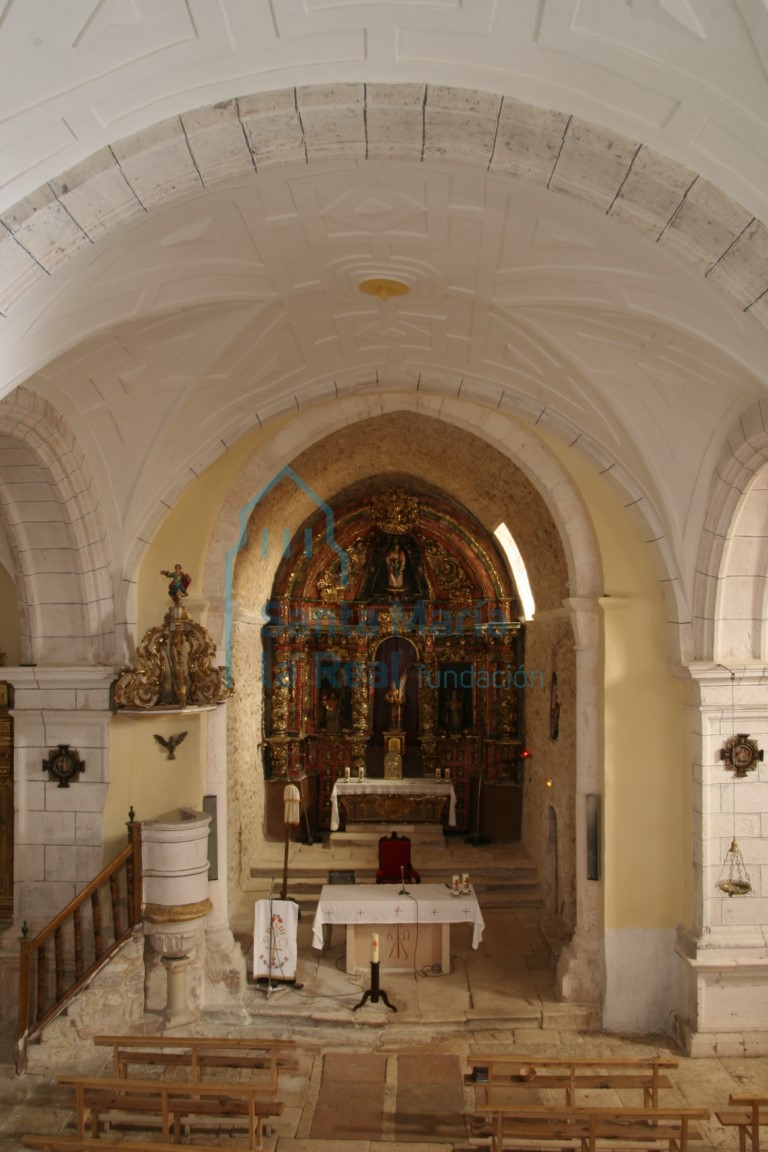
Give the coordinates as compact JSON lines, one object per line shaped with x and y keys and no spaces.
{"x":413,"y":925}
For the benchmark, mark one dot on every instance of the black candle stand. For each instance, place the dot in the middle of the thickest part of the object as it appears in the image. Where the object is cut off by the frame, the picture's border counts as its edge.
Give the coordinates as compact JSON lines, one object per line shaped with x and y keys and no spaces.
{"x":374,"y":993}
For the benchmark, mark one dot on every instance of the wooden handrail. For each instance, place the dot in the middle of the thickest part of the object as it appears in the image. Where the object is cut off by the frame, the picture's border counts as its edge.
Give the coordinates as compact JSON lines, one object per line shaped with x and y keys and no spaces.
{"x":35,"y":1011}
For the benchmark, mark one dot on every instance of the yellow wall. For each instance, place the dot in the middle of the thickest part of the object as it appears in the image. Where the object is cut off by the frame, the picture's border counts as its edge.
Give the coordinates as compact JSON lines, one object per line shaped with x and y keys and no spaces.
{"x":144,"y":779}
{"x":184,"y":534}
{"x":647,"y":866}
{"x":140,"y":775}
{"x":646,"y":793}
{"x":10,"y":635}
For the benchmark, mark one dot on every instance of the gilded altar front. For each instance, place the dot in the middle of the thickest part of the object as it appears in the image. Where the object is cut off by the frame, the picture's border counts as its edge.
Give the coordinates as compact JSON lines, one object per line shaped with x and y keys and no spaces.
{"x":392,"y":651}
{"x":414,"y":801}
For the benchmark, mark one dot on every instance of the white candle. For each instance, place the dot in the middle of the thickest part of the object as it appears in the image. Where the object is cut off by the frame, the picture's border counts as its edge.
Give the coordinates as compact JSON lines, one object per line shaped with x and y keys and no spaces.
{"x":375,"y":948}
{"x":361,"y":773}
{"x":455,"y":888}
{"x":437,"y":773}
{"x":346,"y":773}
{"x":465,"y":881}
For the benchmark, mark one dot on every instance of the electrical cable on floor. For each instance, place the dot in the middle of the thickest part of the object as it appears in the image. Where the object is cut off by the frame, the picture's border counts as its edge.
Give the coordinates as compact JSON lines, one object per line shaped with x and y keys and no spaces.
{"x":338,"y":996}
{"x":436,"y":969}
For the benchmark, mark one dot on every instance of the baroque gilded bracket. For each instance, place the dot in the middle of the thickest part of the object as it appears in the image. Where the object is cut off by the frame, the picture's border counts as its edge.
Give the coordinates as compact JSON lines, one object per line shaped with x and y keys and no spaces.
{"x":174,"y":668}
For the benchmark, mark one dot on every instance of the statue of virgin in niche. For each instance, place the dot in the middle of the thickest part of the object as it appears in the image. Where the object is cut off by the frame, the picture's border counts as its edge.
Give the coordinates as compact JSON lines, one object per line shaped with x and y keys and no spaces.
{"x":395,"y":562}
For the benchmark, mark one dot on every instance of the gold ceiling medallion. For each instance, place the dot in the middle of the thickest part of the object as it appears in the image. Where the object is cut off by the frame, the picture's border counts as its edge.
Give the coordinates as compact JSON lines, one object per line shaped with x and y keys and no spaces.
{"x":394,"y":511}
{"x":383,"y":288}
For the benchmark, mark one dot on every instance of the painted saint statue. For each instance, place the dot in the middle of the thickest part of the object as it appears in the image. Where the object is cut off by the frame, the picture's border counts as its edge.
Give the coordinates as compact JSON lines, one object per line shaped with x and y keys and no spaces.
{"x":179,"y":583}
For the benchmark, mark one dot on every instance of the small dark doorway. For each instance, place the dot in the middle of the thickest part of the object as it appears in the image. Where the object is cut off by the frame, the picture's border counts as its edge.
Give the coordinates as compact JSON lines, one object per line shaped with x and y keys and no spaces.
{"x":552,"y":894}
{"x":6,"y":802}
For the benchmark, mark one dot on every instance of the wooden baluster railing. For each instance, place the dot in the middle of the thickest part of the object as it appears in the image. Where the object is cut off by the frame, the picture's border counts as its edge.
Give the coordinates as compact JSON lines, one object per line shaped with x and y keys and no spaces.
{"x":78,"y":926}
{"x":114,"y":895}
{"x":133,"y":872}
{"x":58,"y":956}
{"x":40,"y":955}
{"x":33,"y":1017}
{"x":98,"y":943}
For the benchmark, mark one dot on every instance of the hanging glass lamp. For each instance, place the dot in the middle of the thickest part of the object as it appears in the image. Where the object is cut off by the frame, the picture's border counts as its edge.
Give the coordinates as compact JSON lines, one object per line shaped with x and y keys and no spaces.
{"x":734,"y":878}
{"x":740,"y":754}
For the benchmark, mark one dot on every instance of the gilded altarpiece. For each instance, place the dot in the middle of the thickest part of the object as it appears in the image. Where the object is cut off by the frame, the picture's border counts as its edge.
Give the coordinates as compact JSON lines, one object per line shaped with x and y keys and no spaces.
{"x":393,"y":648}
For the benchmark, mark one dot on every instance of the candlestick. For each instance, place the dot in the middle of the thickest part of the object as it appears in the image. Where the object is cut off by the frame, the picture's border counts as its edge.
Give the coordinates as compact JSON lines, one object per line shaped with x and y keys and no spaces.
{"x":375,"y":948}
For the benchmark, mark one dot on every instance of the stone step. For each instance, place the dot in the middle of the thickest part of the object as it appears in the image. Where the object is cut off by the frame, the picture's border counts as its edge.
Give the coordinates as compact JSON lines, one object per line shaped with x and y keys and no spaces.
{"x":369,"y":835}
{"x":515,"y":885}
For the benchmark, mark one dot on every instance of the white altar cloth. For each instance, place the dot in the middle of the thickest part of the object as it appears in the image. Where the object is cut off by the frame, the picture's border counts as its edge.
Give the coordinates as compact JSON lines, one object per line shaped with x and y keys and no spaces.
{"x":414,"y":785}
{"x":385,"y":904}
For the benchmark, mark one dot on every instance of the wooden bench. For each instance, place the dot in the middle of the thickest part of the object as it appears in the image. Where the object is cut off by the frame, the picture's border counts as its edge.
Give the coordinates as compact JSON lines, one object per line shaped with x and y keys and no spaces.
{"x":87,"y":1144}
{"x":492,"y":1075}
{"x":751,"y":1112}
{"x":586,"y":1129}
{"x":198,"y":1053}
{"x":163,"y":1101}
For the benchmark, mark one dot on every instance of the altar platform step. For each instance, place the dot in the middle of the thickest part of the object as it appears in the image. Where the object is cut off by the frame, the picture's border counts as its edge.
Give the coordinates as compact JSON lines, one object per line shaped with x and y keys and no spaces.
{"x":501,"y":874}
{"x":504,"y":893}
{"x":367,"y":836}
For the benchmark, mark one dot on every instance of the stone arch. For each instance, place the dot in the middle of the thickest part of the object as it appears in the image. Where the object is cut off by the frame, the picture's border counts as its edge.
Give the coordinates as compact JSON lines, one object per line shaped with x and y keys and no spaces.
{"x":662,"y":201}
{"x":580,"y":572}
{"x":728,"y":678}
{"x":509,"y":436}
{"x":56,"y":535}
{"x":627,"y":181}
{"x":730,"y":592}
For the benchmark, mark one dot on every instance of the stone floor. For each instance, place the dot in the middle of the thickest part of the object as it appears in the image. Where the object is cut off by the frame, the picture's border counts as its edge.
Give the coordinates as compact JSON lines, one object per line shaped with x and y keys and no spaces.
{"x":370,"y":1079}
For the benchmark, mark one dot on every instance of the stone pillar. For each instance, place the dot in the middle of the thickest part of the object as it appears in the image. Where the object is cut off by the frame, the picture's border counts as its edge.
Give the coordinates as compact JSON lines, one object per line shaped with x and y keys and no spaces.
{"x":723,"y":951}
{"x":59,"y":836}
{"x":225,"y":977}
{"x":581,"y":967}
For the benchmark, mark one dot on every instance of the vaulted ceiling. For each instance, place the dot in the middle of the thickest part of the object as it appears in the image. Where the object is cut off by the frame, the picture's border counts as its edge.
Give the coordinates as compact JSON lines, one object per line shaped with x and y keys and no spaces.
{"x":573,"y":192}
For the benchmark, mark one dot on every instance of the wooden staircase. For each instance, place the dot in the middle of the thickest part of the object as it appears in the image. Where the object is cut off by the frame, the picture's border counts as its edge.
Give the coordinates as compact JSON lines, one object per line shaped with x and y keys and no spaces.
{"x":501,"y":874}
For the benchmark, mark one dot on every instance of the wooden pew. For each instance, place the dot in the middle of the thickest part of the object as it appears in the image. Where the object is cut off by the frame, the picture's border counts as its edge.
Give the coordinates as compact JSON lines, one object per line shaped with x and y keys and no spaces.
{"x":165,"y":1101}
{"x":47,"y":1143}
{"x":586,"y":1129}
{"x":492,"y":1075}
{"x":198,"y":1053}
{"x":751,"y":1111}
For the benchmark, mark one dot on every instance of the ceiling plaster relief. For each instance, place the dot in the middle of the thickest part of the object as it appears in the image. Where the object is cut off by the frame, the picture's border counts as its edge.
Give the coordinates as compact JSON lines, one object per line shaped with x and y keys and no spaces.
{"x":538,"y":355}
